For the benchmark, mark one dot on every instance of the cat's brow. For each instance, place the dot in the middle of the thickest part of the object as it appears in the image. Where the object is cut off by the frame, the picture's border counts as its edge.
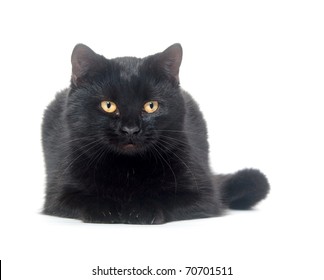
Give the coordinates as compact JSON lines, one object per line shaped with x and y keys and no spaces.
{"x":129,"y":68}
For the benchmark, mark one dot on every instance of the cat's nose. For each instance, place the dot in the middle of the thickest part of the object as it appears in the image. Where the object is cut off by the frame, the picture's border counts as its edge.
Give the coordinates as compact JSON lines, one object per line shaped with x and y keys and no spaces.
{"x":130,"y":130}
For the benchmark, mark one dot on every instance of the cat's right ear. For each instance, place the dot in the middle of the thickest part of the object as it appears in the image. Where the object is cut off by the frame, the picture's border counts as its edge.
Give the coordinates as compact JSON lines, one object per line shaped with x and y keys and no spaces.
{"x":85,"y":64}
{"x":170,"y":60}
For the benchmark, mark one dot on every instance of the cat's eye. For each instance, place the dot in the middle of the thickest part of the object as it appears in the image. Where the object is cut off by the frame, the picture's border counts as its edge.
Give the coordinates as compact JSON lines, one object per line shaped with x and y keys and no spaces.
{"x":108,"y":106}
{"x":151,"y":106}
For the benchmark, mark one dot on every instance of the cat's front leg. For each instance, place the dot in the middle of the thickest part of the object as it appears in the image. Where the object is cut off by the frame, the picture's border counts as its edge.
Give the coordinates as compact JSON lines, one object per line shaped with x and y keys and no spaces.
{"x":88,"y":208}
{"x":100,"y":211}
{"x":143,"y":211}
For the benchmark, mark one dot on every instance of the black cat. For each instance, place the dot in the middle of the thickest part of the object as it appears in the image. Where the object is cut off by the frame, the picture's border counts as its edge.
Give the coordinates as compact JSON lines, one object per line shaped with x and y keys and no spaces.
{"x":125,"y":144}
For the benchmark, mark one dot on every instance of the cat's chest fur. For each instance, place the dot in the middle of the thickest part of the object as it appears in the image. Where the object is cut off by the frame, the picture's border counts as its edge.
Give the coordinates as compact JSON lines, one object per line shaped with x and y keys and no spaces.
{"x":123,"y":177}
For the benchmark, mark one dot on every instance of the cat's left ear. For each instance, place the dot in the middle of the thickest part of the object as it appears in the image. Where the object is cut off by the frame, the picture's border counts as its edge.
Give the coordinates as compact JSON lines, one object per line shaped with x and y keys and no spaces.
{"x":85,"y":64}
{"x":170,"y":60}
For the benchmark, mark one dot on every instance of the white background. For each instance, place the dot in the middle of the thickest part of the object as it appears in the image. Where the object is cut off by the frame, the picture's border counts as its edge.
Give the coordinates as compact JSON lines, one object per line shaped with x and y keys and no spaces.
{"x":255,"y":67}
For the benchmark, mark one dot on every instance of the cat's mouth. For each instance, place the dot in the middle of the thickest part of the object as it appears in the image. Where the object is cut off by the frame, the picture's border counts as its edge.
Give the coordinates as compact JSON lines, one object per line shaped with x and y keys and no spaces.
{"x":129,"y":146}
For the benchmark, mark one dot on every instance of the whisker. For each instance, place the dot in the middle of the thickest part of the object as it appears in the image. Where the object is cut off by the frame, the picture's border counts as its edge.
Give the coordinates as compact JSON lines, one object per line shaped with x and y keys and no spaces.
{"x":156,"y":148}
{"x":183,"y":162}
{"x":95,"y":157}
{"x":92,"y":145}
{"x":82,"y":147}
{"x":179,"y":141}
{"x":178,"y":131}
{"x":69,"y":141}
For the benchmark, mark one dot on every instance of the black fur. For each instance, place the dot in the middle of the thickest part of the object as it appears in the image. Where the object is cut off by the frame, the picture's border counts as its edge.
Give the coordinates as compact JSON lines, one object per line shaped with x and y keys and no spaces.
{"x":131,"y":166}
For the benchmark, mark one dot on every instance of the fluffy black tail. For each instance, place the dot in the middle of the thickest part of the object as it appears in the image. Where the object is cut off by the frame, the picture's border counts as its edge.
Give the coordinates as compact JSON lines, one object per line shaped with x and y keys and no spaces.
{"x":243,"y":189}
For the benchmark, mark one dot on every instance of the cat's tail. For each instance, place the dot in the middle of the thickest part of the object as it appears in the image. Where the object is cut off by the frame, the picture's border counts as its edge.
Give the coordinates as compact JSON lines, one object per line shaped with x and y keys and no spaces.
{"x":243,"y":189}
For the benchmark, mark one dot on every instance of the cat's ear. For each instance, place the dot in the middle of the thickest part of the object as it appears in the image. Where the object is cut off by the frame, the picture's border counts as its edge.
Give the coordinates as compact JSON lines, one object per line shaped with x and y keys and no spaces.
{"x":170,"y":60}
{"x":85,"y":63}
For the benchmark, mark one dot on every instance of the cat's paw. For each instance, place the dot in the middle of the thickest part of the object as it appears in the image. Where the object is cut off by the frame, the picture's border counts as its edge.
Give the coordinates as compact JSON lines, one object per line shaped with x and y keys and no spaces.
{"x":105,"y":217}
{"x":144,"y":214}
{"x":100,"y":214}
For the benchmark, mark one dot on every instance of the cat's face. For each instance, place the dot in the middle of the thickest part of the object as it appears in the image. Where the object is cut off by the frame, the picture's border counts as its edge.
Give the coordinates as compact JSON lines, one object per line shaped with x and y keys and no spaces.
{"x":129,"y":105}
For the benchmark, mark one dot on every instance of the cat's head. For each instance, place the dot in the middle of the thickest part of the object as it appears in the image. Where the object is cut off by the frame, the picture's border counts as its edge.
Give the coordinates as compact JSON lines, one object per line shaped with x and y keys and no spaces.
{"x":128,"y":105}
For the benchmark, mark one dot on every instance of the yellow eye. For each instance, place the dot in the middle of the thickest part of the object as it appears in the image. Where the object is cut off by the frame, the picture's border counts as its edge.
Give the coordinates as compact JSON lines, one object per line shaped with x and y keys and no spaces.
{"x":108,"y":106}
{"x":151,"y":106}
